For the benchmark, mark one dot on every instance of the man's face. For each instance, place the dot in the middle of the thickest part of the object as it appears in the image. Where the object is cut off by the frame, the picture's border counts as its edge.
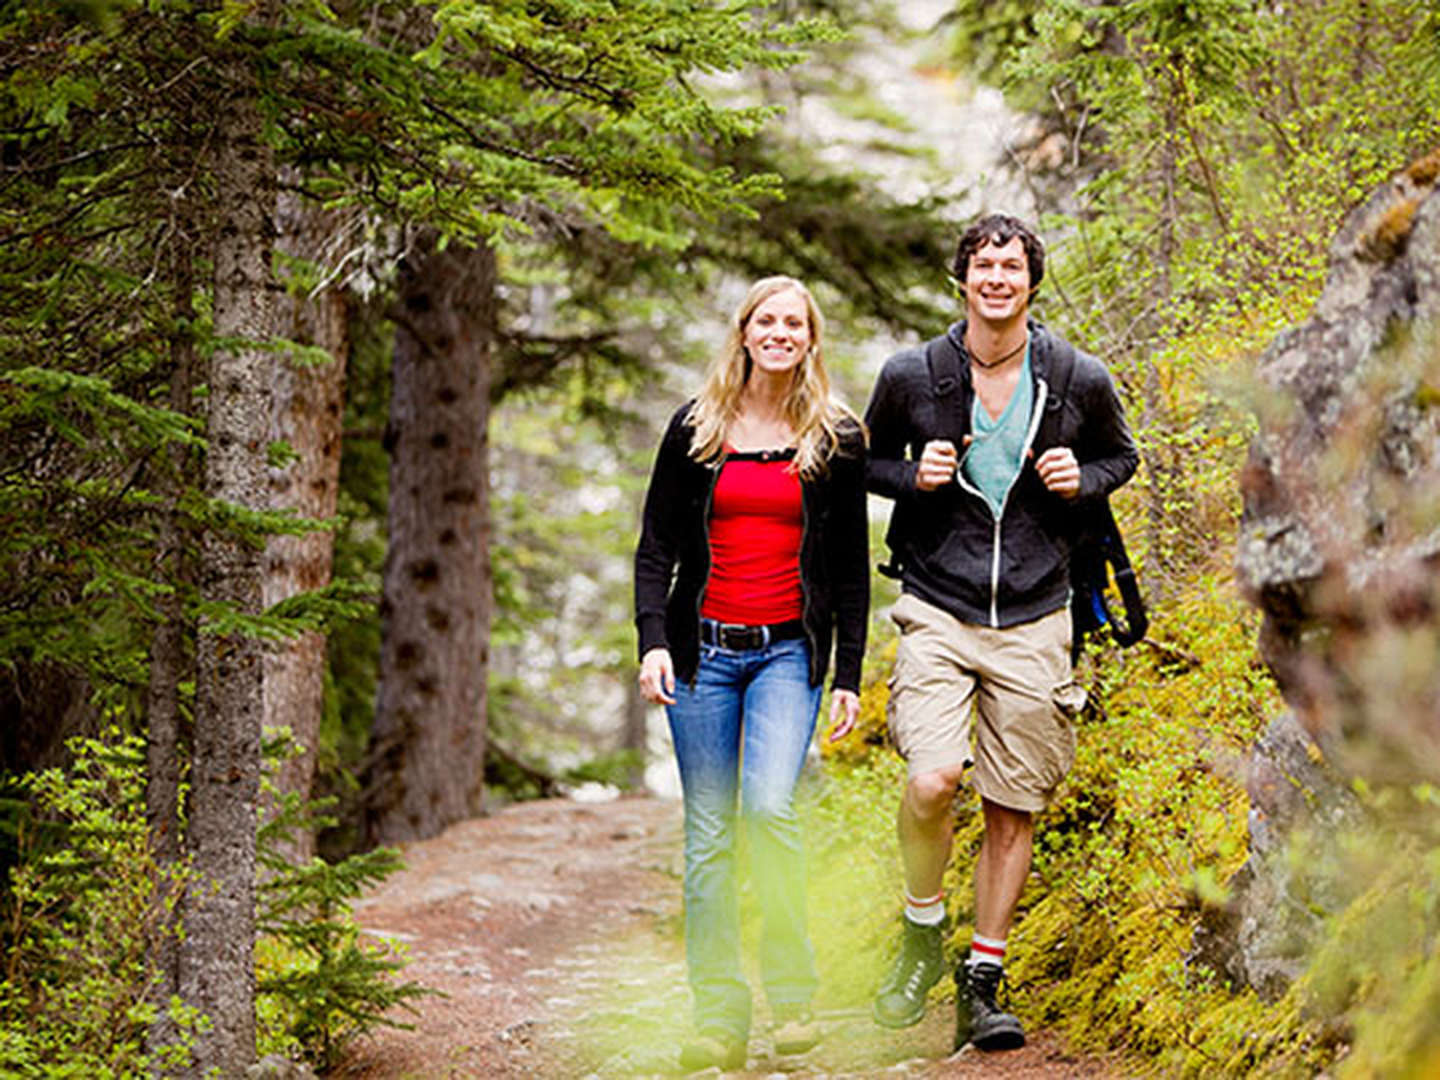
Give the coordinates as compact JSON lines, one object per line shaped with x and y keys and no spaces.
{"x":997,"y":282}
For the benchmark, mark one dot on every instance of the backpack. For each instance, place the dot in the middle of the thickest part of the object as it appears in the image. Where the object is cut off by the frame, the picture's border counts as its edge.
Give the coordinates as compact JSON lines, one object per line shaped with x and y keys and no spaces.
{"x":1097,"y":552}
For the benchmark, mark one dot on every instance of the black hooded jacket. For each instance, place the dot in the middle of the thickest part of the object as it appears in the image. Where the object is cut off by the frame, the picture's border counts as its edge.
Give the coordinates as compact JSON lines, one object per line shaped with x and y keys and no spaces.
{"x":956,"y":553}
{"x":672,"y":561}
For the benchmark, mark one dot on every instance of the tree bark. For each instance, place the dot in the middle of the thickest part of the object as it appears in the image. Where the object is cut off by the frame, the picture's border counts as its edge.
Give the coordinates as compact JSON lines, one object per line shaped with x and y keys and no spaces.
{"x":306,"y":414}
{"x":171,"y":663}
{"x":634,"y":737}
{"x":217,"y":972}
{"x":428,"y":742}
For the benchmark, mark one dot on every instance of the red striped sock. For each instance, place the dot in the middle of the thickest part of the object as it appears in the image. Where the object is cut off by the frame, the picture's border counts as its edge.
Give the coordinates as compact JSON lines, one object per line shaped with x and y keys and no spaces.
{"x":984,"y":950}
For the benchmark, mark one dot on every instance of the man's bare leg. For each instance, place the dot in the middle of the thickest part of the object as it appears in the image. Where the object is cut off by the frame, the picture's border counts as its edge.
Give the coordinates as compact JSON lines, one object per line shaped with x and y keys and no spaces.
{"x":926,"y":833}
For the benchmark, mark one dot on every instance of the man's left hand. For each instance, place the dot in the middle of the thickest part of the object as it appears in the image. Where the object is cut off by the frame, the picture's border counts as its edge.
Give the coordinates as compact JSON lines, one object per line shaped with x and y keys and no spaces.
{"x":1059,"y":471}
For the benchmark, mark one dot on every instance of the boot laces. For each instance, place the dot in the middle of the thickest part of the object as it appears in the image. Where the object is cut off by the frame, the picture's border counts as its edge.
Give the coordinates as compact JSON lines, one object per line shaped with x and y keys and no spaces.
{"x":988,"y":982}
{"x":911,"y":960}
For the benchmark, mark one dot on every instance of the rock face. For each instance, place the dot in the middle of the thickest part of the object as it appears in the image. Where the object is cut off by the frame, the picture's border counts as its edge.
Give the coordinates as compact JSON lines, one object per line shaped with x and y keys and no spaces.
{"x":1340,"y":539}
{"x":1339,"y":548}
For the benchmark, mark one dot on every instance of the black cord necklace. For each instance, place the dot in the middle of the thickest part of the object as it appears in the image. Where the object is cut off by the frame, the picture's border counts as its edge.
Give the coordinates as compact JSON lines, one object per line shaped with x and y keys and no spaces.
{"x":987,"y":364}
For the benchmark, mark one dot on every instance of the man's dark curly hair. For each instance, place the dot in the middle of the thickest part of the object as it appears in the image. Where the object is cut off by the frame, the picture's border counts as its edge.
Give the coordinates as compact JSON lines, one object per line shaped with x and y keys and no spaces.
{"x":999,"y":229}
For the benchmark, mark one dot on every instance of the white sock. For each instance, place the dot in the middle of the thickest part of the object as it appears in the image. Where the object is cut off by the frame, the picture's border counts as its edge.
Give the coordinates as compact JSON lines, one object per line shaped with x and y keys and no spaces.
{"x":926,"y":911}
{"x":984,"y":950}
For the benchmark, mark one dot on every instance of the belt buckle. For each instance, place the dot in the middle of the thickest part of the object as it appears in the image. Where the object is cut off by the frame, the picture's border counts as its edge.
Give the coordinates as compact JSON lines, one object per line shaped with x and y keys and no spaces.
{"x":740,"y":637}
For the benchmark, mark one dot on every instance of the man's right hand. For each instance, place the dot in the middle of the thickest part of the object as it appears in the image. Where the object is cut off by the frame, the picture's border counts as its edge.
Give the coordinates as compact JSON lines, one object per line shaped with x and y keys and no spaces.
{"x":937,"y":465}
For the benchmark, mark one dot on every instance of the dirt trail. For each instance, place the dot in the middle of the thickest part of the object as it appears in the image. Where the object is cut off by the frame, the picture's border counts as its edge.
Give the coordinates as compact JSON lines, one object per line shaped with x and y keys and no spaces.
{"x":553,"y":929}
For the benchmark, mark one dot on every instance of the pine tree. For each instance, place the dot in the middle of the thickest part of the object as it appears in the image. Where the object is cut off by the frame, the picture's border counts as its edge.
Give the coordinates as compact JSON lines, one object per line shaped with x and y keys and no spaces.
{"x":145,"y":142}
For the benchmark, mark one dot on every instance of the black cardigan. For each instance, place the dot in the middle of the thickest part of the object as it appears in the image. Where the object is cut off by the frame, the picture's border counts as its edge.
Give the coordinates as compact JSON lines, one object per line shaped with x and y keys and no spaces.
{"x":672,"y":561}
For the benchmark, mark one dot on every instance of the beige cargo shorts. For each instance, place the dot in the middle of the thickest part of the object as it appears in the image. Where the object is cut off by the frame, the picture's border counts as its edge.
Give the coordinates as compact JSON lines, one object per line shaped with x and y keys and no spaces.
{"x":1003,"y":700}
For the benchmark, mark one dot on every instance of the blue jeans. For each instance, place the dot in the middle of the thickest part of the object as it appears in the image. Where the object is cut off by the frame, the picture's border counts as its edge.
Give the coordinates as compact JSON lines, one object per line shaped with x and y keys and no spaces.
{"x":759,"y":701}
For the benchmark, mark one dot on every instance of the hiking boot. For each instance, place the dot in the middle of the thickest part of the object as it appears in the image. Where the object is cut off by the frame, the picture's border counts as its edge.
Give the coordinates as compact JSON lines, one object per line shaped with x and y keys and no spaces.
{"x":795,"y":1030}
{"x":713,"y":1050}
{"x":900,"y":1001}
{"x":978,"y":1019}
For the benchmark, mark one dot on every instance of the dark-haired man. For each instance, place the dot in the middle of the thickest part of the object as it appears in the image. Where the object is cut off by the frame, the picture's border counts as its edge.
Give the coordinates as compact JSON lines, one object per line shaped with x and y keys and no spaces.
{"x":986,"y":438}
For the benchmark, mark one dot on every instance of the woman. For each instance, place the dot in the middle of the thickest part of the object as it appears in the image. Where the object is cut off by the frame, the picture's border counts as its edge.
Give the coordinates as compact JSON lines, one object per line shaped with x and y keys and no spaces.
{"x":753,"y":559}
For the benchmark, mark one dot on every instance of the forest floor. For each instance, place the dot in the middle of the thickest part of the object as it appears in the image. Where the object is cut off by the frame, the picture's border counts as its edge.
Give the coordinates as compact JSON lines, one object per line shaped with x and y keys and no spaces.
{"x":553,"y":930}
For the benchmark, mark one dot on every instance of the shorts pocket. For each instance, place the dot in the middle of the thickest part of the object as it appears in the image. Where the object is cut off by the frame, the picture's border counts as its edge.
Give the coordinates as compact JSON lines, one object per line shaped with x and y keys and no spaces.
{"x":1069,"y":699}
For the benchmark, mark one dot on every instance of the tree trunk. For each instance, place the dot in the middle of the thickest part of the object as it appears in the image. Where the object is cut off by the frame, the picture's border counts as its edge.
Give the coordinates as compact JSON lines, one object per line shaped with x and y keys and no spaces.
{"x":171,"y":663}
{"x":635,"y":735}
{"x":217,"y":972}
{"x":306,"y":414}
{"x":428,"y":744}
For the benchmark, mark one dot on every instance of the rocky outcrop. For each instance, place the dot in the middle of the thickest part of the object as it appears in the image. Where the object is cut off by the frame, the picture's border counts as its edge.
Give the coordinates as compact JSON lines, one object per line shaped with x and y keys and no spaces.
{"x":1339,"y":548}
{"x":1340,"y":539}
{"x":1261,"y":937}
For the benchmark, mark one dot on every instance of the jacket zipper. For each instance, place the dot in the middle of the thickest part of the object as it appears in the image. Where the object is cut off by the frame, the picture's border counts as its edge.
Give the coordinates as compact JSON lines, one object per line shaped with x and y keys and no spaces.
{"x":1037,"y":413}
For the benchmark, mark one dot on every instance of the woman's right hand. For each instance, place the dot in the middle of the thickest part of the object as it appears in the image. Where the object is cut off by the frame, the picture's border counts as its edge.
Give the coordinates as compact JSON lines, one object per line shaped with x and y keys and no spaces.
{"x":657,"y":677}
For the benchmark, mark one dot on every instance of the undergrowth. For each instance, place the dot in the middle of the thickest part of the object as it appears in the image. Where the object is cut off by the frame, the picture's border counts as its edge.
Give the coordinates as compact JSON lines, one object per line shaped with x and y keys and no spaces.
{"x":87,"y":908}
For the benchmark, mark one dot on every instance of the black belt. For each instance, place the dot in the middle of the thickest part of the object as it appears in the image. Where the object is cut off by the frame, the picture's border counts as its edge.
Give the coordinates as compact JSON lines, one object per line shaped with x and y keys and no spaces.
{"x":738,"y":636}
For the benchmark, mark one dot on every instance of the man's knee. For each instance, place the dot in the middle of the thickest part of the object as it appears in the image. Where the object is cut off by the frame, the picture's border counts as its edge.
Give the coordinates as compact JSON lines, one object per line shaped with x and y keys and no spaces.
{"x":930,"y":794}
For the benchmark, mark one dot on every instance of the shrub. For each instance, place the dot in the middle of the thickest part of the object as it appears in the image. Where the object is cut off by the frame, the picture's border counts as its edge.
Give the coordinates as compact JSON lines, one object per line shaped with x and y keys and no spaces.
{"x":86,"y":908}
{"x":319,"y":984}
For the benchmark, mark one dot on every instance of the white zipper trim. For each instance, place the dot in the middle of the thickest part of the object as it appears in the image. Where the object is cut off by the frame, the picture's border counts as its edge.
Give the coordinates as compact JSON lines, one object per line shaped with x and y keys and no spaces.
{"x":1037,"y":414}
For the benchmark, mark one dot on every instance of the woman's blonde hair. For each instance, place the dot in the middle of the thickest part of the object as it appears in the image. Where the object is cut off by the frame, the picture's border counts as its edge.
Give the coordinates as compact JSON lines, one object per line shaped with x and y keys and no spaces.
{"x":813,"y":416}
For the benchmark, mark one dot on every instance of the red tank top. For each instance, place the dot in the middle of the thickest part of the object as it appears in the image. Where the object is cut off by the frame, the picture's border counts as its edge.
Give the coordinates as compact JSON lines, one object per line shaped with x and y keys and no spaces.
{"x":757,"y":520}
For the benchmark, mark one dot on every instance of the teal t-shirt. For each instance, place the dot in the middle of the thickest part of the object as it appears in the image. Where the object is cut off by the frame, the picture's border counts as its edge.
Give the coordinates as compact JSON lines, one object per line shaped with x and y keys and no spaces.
{"x":993,"y":459}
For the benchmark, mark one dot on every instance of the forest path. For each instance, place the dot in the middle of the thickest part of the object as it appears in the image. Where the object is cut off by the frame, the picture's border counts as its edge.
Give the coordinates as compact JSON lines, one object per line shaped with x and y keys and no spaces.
{"x":553,"y":927}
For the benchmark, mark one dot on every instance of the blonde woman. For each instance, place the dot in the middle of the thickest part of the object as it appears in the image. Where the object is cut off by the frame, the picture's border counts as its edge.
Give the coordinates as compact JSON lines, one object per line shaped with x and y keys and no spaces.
{"x":753,"y":562}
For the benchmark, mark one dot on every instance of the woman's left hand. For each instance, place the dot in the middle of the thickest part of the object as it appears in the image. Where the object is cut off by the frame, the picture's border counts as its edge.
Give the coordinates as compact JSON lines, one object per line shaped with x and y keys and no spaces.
{"x":844,"y":711}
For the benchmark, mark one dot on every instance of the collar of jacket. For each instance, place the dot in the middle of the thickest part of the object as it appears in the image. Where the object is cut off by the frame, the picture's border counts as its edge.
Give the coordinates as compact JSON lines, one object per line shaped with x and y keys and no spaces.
{"x":1041,"y":345}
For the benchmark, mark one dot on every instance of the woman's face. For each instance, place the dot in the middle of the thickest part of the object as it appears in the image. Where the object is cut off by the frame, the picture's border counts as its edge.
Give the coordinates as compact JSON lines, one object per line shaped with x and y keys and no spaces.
{"x":777,"y":337}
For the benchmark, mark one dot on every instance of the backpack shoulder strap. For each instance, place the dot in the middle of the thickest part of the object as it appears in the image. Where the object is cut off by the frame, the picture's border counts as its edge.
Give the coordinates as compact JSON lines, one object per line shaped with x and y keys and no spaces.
{"x":943,"y":360}
{"x":1061,"y":368}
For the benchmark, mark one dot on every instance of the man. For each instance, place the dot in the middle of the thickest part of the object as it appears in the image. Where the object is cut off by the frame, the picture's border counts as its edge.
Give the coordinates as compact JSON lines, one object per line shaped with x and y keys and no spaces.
{"x":989,"y":439}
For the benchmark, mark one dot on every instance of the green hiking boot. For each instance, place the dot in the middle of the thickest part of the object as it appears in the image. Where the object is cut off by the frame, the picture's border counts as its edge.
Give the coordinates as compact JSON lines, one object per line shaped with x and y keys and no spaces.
{"x":900,"y":1001}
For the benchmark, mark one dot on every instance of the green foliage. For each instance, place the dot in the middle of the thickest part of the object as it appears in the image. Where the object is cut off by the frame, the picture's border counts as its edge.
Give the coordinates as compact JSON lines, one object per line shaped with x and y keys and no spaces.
{"x":319,"y":984}
{"x":1230,"y":140}
{"x":85,"y":910}
{"x":1150,"y":821}
{"x":87,"y":907}
{"x":1373,"y":982}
